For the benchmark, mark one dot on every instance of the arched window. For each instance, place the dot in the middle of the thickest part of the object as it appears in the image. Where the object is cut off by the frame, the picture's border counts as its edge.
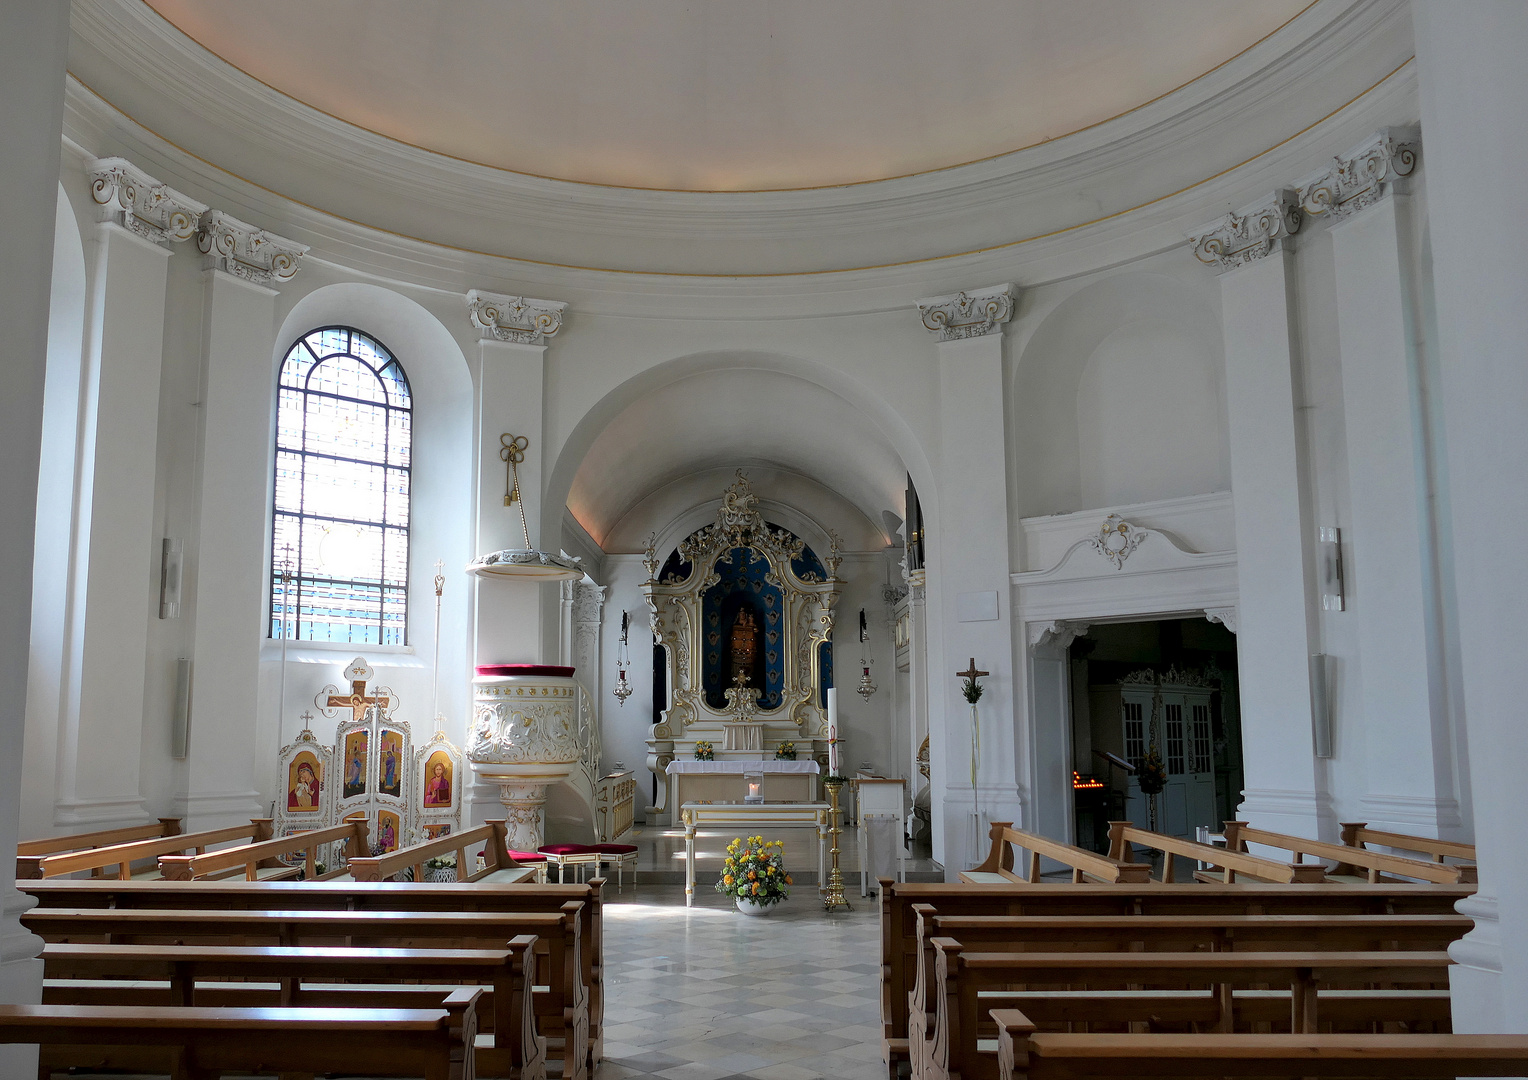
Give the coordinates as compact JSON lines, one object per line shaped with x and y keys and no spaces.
{"x":343,"y":437}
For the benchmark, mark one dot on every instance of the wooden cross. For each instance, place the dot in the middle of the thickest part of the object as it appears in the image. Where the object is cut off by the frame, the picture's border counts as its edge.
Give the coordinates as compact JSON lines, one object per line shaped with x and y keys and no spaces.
{"x":971,"y":672}
{"x":357,"y":701}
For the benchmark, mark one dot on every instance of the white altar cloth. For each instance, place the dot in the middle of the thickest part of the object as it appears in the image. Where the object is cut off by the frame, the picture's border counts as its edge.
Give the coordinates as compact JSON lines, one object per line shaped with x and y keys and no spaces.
{"x":772,"y":765}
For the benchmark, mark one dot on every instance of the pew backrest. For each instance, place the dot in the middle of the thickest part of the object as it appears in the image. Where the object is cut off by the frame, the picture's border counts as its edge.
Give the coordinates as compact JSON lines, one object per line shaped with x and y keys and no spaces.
{"x":1085,"y":865}
{"x":1357,"y":834}
{"x":268,"y":854}
{"x":120,"y":858}
{"x":489,"y":838}
{"x":54,"y":845}
{"x":1233,"y":864}
{"x":1239,"y":834}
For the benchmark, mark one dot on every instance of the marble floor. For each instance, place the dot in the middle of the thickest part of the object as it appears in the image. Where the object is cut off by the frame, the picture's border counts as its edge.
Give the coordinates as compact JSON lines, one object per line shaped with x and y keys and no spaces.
{"x":706,"y":993}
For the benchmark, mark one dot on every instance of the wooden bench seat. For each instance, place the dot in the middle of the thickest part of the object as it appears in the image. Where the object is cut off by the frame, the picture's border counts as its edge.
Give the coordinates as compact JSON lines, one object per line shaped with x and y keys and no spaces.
{"x":489,"y":839}
{"x":30,"y":852}
{"x":510,"y":1047}
{"x":968,"y":985}
{"x":1023,"y":1054}
{"x":192,"y":1044}
{"x":1348,"y":859}
{"x":1233,"y":865}
{"x":1358,"y":834}
{"x":1085,"y":865}
{"x":269,"y":855}
{"x":129,"y":859}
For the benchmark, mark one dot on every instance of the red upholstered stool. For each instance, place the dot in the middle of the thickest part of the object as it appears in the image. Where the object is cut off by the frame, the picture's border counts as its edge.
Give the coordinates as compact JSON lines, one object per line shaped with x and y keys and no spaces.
{"x":565,"y":855}
{"x":620,"y":856}
{"x":526,"y":858}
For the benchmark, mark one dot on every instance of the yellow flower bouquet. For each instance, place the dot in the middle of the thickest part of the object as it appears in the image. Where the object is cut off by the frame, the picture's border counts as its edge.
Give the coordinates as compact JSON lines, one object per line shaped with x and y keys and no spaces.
{"x":754,"y":873}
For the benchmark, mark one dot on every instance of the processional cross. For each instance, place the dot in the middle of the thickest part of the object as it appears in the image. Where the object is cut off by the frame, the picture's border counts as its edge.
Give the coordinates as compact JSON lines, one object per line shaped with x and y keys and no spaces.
{"x":971,"y":672}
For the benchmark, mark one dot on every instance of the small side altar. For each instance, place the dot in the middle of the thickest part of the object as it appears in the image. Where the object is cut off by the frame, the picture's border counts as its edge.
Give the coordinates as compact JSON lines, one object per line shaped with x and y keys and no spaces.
{"x":724,"y":781}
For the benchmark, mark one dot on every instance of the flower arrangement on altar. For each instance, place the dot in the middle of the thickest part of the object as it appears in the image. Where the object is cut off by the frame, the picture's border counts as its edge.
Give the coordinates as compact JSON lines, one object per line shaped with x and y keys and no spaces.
{"x":754,"y":871}
{"x":786,"y":751}
{"x":704,"y":752}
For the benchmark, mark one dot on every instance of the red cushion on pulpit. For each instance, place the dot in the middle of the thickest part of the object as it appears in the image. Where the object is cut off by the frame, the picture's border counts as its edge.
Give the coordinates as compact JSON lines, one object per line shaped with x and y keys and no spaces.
{"x":566,"y":849}
{"x":527,"y":670}
{"x":615,"y":849}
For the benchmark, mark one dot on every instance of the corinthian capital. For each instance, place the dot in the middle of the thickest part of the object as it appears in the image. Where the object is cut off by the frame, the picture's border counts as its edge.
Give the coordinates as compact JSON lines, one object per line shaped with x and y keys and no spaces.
{"x":142,"y":205}
{"x":241,"y":249}
{"x":1361,"y":177}
{"x":968,"y":314}
{"x":514,"y":318}
{"x":1249,"y":233}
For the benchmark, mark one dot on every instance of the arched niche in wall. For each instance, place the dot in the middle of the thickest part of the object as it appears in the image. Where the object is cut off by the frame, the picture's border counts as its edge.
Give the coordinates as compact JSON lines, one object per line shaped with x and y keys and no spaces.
{"x":1118,"y":398}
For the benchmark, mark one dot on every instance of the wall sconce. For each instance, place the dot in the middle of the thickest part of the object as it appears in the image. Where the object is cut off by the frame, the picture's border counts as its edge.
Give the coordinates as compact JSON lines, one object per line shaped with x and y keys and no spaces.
{"x":622,"y":689}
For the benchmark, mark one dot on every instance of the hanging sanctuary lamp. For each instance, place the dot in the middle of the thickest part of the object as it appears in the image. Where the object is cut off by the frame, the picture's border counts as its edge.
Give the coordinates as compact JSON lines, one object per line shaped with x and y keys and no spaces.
{"x":622,"y":689}
{"x":865,"y":687}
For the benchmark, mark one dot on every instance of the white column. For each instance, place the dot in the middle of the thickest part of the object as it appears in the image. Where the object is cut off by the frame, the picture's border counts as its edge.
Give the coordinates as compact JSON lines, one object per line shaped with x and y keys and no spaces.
{"x":969,"y":577}
{"x":917,"y":681}
{"x":1390,"y":564}
{"x":116,"y":560}
{"x":1474,"y":98}
{"x":1274,"y":541}
{"x":34,"y":40}
{"x":222,"y":777}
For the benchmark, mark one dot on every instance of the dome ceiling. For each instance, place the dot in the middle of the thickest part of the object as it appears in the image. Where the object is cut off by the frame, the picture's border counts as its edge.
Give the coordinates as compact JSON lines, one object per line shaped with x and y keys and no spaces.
{"x":725,"y":95}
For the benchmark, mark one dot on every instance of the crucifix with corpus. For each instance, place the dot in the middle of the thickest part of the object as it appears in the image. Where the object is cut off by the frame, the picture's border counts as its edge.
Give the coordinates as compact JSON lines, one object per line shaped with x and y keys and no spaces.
{"x":359,"y":673}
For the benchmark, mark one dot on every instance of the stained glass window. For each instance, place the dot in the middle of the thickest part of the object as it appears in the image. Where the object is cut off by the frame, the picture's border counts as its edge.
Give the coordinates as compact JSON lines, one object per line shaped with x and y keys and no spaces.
{"x":340,"y":525}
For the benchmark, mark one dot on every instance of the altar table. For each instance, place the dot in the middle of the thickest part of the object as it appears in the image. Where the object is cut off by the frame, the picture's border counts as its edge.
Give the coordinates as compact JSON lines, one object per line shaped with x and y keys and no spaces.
{"x":753,"y":817}
{"x":722,"y":781}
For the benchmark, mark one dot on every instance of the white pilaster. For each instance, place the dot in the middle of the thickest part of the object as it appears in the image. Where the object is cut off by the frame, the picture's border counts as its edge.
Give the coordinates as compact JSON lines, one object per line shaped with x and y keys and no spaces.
{"x":34,"y":40}
{"x":220,"y":782}
{"x":1393,"y":572}
{"x":1273,"y":531}
{"x":1474,"y":100}
{"x":968,"y":577}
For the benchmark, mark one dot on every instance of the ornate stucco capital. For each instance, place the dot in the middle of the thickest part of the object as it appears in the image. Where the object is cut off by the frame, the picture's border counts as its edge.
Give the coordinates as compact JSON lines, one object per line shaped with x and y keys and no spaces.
{"x":1362,"y":176}
{"x":968,"y":314}
{"x":133,"y":199}
{"x":514,"y":318}
{"x":1248,"y":234}
{"x":245,"y":251}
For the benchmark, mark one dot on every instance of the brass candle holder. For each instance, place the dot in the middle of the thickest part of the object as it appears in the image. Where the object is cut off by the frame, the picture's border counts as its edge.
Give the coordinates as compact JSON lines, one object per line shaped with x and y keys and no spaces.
{"x":833,"y":899}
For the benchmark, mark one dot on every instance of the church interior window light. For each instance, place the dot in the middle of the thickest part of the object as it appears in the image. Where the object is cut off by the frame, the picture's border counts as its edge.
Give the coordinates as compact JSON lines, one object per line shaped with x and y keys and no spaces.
{"x":341,"y":516}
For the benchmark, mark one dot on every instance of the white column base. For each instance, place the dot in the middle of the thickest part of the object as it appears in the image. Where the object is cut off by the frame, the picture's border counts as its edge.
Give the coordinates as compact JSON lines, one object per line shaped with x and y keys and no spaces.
{"x":1298,"y":813}
{"x":128,"y":809}
{"x":1418,"y":815}
{"x":1475,"y":982}
{"x":20,"y":976}
{"x":524,"y":813}
{"x":218,"y":810}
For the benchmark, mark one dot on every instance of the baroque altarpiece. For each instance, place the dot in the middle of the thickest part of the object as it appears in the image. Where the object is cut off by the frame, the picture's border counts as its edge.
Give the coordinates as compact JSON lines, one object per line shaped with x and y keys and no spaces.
{"x":743,"y":610}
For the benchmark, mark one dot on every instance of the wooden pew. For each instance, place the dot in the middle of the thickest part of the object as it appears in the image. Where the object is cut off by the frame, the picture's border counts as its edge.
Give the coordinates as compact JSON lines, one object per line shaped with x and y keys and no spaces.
{"x":1156,"y":933}
{"x":190,"y":1044}
{"x":358,"y":896}
{"x":263,"y":858}
{"x":1357,"y":834}
{"x":1023,"y":1054}
{"x":562,"y":1008}
{"x":57,"y":845}
{"x":961,"y":978}
{"x":118,"y":859}
{"x":1375,"y":863}
{"x":488,"y":838}
{"x":1233,"y":864}
{"x":509,"y":1047}
{"x":899,"y":925}
{"x":1085,"y":865}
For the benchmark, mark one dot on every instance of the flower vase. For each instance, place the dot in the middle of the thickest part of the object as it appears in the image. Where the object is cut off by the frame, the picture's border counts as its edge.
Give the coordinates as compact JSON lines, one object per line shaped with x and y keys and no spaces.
{"x":748,"y":907}
{"x":442,"y":874}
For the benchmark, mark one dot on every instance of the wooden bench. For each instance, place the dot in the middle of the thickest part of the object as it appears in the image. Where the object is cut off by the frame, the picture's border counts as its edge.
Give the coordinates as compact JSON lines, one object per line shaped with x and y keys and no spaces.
{"x":1085,"y":865}
{"x":1357,"y":834}
{"x":967,"y":985}
{"x":193,"y":1044}
{"x":488,"y":838}
{"x":58,"y":845}
{"x":471,"y":897}
{"x":1233,"y":864}
{"x":899,"y":945}
{"x":1147,"y":933}
{"x":507,"y":1045}
{"x":118,"y":859}
{"x":1374,"y":864}
{"x":1023,"y":1054}
{"x":264,"y":858}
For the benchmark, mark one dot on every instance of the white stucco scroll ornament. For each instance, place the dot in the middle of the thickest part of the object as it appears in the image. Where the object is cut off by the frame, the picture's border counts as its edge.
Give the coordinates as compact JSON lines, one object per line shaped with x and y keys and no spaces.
{"x":246,"y":251}
{"x":1248,"y":234}
{"x":1116,"y":539}
{"x":140,"y":204}
{"x":1362,"y":176}
{"x":967,"y":314}
{"x":514,"y":318}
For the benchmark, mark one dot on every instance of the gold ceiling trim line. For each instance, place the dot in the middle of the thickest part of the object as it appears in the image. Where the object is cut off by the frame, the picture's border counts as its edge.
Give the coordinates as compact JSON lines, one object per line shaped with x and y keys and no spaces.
{"x":731,"y":191}
{"x":772,"y":274}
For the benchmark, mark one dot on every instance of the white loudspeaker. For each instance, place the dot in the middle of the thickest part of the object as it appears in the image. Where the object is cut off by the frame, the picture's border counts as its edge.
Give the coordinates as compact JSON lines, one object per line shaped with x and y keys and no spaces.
{"x":1321,"y":704}
{"x":180,"y":720}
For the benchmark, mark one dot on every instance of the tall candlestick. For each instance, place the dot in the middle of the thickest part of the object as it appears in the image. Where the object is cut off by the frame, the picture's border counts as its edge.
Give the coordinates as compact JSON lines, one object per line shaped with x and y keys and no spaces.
{"x":833,"y":731}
